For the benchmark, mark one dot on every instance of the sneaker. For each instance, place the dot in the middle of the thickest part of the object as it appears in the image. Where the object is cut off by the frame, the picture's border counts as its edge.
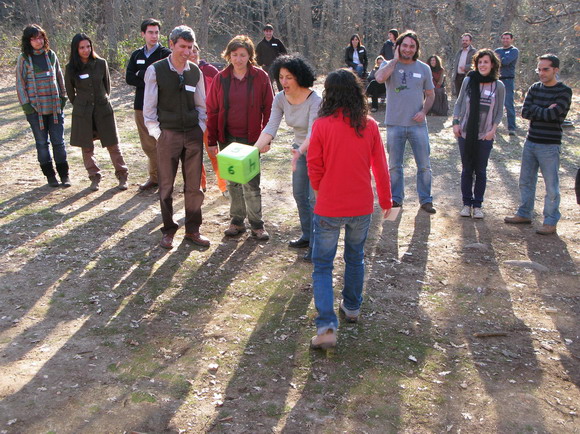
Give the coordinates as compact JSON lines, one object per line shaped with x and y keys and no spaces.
{"x":428,"y":207}
{"x":374,"y":110}
{"x":234,"y":230}
{"x":397,"y":204}
{"x":324,"y":341}
{"x":349,"y":315}
{"x":546,"y":230}
{"x":477,"y":213}
{"x":260,"y":234}
{"x":516,"y":220}
{"x":465,"y":211}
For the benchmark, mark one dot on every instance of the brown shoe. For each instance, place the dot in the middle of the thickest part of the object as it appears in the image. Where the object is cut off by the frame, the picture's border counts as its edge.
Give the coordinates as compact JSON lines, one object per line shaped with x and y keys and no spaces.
{"x":546,"y":230}
{"x":147,"y":185}
{"x":517,"y":220}
{"x":260,"y":234}
{"x":166,"y":241}
{"x":324,"y":341}
{"x":95,"y":180}
{"x":197,"y":238}
{"x":234,"y":230}
{"x":123,"y":183}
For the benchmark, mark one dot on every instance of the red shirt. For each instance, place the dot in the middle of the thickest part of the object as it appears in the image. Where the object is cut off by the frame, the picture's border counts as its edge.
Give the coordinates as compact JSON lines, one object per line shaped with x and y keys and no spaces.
{"x":340,"y":164}
{"x":237,"y":121}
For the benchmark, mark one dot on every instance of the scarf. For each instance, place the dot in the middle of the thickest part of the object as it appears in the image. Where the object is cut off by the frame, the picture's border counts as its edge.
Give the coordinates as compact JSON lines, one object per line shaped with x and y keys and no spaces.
{"x":53,"y":87}
{"x":472,"y":133}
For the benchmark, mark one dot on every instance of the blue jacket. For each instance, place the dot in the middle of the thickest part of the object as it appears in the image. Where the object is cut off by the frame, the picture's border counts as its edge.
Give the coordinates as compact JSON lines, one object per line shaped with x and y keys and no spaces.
{"x":509,"y":58}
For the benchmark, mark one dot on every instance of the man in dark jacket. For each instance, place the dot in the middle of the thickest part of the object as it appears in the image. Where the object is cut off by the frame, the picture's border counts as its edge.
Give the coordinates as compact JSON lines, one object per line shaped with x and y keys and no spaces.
{"x":462,"y":63}
{"x":175,"y":114}
{"x":140,"y":60}
{"x":268,"y":49}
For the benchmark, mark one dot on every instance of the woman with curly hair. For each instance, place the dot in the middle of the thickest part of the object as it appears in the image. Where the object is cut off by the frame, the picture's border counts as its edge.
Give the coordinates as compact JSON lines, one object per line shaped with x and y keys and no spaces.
{"x":88,"y":86}
{"x":238,"y":108}
{"x":40,"y":88}
{"x":476,"y":116}
{"x":345,"y":145}
{"x":298,"y":104}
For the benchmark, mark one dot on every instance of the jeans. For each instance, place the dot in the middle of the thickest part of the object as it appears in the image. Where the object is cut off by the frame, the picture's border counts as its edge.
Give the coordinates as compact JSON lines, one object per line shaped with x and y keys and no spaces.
{"x":473,"y":193}
{"x":359,"y":70}
{"x":56,"y":133}
{"x":547,"y":159}
{"x":304,"y":196}
{"x":418,"y":137}
{"x":509,"y":103}
{"x":326,"y":233}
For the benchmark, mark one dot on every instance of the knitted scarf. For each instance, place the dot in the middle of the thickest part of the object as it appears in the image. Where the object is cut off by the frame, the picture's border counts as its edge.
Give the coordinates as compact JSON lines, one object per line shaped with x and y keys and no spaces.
{"x":54,"y":89}
{"x":472,"y":133}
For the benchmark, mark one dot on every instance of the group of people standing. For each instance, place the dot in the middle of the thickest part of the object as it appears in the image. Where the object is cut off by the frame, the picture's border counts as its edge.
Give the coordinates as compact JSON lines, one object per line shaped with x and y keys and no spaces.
{"x":183,"y":104}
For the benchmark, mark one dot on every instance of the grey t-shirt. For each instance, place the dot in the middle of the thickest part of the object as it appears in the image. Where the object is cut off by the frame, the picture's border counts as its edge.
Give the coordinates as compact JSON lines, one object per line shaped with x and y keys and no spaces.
{"x":299,"y":117}
{"x":405,"y":94}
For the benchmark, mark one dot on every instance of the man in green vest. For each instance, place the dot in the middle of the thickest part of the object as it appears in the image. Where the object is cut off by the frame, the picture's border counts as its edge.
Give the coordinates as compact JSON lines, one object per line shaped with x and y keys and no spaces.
{"x":174,"y":113}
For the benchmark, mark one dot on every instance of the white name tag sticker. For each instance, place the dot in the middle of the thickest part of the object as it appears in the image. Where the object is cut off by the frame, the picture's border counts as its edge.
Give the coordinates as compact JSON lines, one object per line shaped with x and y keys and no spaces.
{"x":83,"y":76}
{"x":140,"y":62}
{"x":189,"y":88}
{"x":361,"y":51}
{"x":274,"y":45}
{"x":416,"y":75}
{"x":488,"y":93}
{"x":507,"y":52}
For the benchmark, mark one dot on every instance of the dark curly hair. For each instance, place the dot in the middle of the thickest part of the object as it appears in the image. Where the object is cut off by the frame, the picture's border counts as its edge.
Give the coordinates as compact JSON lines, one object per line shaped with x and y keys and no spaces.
{"x":495,"y":62}
{"x":297,"y":66}
{"x":438,"y":66}
{"x":343,"y":90}
{"x":29,"y":32}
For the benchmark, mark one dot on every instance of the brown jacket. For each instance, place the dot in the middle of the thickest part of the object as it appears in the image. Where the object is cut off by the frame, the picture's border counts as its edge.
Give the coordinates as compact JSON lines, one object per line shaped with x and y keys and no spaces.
{"x":92,"y":115}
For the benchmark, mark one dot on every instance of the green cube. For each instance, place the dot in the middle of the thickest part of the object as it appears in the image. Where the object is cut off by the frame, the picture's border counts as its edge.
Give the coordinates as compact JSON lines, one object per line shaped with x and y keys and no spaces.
{"x":239,"y":163}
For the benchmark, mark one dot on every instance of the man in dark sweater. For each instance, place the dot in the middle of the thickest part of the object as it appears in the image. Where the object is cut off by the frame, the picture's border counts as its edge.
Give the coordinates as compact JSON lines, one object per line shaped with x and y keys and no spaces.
{"x":267,"y":50}
{"x":175,"y":115}
{"x":546,"y":106}
{"x":509,"y":57}
{"x":140,"y":60}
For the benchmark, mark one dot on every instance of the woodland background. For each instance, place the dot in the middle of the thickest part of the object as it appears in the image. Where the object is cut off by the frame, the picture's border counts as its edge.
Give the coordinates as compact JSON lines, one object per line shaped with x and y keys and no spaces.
{"x":318,"y":29}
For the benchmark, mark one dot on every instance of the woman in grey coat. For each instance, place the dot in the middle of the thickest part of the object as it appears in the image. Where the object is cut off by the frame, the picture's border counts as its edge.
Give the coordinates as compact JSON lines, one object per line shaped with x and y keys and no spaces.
{"x":88,"y":86}
{"x":476,"y":116}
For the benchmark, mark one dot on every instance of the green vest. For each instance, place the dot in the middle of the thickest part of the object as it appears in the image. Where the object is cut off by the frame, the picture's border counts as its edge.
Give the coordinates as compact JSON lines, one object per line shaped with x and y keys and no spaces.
{"x":176,"y":106}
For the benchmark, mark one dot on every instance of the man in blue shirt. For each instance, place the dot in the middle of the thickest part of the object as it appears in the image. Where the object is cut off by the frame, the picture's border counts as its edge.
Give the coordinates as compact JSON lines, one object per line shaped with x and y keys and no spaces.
{"x":509,"y":57}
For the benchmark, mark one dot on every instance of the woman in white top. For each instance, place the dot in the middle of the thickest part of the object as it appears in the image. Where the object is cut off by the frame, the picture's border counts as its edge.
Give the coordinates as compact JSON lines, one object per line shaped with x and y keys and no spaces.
{"x":298,"y":104}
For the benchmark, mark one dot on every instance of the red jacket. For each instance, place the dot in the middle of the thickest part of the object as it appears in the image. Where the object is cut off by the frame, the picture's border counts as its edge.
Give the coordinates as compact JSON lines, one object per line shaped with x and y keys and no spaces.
{"x":339,"y":167}
{"x":259,"y":106}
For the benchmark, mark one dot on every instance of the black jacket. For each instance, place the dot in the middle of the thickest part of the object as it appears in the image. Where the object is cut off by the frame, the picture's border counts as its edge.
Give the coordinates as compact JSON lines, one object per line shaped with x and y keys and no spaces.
{"x":362,"y":55}
{"x":136,"y":67}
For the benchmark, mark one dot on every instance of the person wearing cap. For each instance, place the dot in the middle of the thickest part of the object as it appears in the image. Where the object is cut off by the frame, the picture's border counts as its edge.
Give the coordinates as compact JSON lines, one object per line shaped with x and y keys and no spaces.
{"x":267,"y":50}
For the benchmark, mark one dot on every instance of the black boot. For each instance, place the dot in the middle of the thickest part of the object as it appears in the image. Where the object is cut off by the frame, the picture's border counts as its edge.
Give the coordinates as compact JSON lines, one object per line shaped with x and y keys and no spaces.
{"x":48,"y":171}
{"x":62,"y":169}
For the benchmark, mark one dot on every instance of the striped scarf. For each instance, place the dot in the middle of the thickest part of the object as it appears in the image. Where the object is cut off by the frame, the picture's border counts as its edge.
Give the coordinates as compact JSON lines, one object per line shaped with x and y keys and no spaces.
{"x":55,"y":101}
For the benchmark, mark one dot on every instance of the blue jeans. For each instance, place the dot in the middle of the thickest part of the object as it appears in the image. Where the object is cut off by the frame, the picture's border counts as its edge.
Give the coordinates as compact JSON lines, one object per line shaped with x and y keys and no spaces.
{"x":56,"y":133}
{"x":304,"y":196}
{"x":359,"y":70}
{"x":473,"y":192}
{"x":326,"y":233}
{"x":547,"y":159}
{"x":418,"y":137}
{"x":509,"y":103}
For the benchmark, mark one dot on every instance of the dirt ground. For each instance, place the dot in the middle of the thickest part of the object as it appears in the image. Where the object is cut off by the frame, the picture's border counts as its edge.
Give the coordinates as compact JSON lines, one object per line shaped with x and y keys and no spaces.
{"x":102,"y":331}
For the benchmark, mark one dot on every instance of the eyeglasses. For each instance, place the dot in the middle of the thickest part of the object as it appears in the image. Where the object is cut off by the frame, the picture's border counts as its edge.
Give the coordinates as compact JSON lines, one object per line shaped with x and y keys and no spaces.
{"x":538,"y":70}
{"x":37,"y":38}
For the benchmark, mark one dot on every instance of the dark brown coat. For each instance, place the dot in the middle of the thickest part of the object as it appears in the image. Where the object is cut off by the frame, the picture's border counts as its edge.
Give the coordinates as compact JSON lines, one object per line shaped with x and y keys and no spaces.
{"x":92,"y":115}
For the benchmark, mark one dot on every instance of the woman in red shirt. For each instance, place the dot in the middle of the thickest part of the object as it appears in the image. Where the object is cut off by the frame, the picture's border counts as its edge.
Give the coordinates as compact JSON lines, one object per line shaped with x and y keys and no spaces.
{"x":238,"y":108}
{"x":345,"y":145}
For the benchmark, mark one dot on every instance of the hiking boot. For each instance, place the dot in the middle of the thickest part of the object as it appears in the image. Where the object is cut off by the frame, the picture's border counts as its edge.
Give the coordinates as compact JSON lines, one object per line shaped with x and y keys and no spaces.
{"x":95,"y":180}
{"x":465,"y":211}
{"x":122,"y":182}
{"x":477,"y":213}
{"x":428,"y":207}
{"x":349,"y":315}
{"x":148,"y":185}
{"x":517,"y":220}
{"x":166,"y":241}
{"x":324,"y":341}
{"x":50,"y":174}
{"x":546,"y":230}
{"x":62,"y":169}
{"x":260,"y":234}
{"x":198,"y":239}
{"x":234,"y":230}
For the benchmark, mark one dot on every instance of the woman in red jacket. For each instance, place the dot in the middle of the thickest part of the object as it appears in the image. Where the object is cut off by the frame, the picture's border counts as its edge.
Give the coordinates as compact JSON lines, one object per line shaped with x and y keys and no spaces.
{"x":238,"y":108}
{"x":345,"y":145}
